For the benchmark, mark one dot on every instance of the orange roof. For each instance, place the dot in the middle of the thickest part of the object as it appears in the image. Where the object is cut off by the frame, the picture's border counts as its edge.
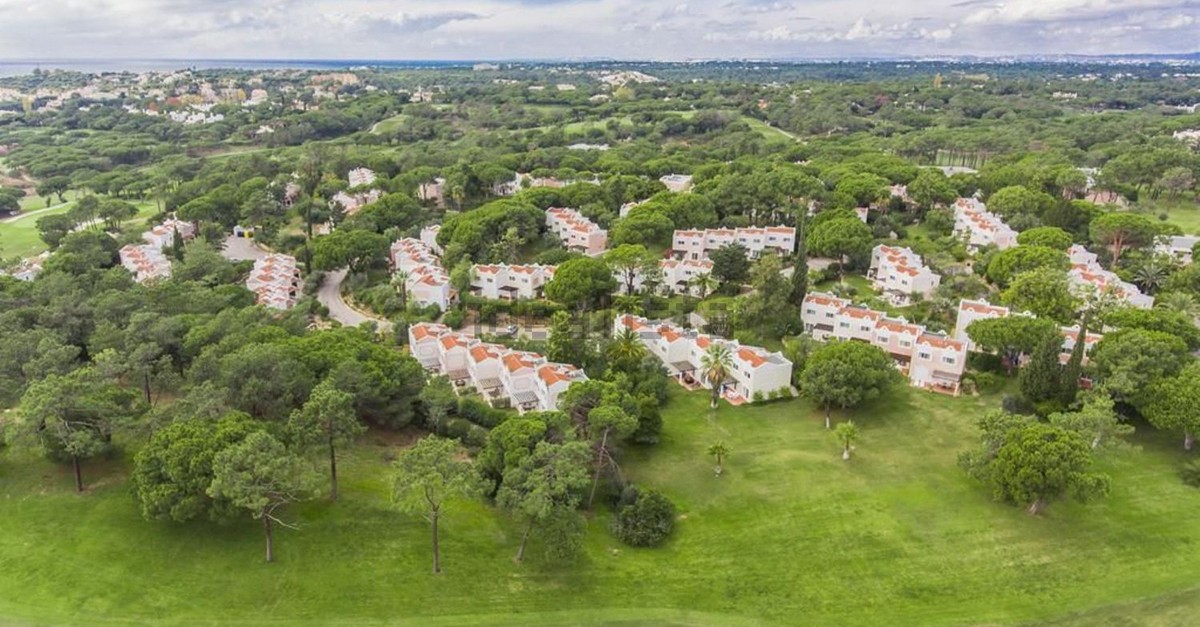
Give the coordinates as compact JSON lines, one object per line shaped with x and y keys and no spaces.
{"x":754,"y":359}
{"x":668,"y":333}
{"x":981,"y":308}
{"x":940,"y":342}
{"x":514,"y":362}
{"x":481,"y":352}
{"x":422,"y":331}
{"x":554,"y":373}
{"x":703,"y":341}
{"x":451,"y":340}
{"x":898,"y":327}
{"x":822,"y":299}
{"x":860,"y":312}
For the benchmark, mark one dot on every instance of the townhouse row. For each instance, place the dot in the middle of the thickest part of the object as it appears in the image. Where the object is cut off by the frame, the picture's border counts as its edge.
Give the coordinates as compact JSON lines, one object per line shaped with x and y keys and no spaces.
{"x":931,"y":361}
{"x":981,"y":227}
{"x":510,"y":282}
{"x":899,"y":273}
{"x":275,"y":280}
{"x":576,"y":232}
{"x":1086,"y":275}
{"x":147,"y":262}
{"x":971,"y":310}
{"x":425,"y":280}
{"x":754,"y":374}
{"x":519,"y":379}
{"x":696,"y":245}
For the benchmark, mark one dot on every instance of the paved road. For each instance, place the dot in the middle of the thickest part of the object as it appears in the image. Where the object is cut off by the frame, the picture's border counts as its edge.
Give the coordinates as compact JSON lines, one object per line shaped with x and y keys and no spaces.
{"x":242,"y":249}
{"x":330,"y":295}
{"x":30,"y":214}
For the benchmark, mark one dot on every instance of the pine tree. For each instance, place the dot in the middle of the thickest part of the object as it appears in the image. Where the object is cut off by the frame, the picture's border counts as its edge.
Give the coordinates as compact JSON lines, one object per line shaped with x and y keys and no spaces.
{"x":1041,"y":378}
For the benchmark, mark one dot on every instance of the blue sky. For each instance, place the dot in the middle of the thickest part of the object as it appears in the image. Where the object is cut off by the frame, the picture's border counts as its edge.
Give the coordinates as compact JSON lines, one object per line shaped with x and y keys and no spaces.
{"x":633,"y":29}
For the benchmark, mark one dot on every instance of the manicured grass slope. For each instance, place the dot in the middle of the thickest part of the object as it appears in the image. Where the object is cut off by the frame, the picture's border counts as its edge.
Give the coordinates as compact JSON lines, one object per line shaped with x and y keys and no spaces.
{"x":789,"y":534}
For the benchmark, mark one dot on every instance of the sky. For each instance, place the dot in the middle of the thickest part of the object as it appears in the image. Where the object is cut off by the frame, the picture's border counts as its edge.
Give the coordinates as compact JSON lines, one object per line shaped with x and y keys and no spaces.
{"x":576,"y":29}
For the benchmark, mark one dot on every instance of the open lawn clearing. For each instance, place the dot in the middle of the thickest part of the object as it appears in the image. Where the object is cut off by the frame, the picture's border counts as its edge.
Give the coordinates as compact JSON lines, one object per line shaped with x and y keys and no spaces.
{"x":790,"y":534}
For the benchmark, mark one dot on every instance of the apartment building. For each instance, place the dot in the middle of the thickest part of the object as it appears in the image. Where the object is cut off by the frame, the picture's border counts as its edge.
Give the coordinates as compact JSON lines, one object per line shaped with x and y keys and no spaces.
{"x":930,"y":361}
{"x":433,"y":191}
{"x":754,"y":372}
{"x":677,"y":182}
{"x":900,"y":273}
{"x":163,"y":235}
{"x":145,"y":262}
{"x":696,"y":245}
{"x":351,"y":203}
{"x":1087,"y":276}
{"x":981,"y":227}
{"x":523,"y":380}
{"x":426,"y":280}
{"x":678,"y":275}
{"x":576,"y":232}
{"x":510,"y":282}
{"x":971,"y":310}
{"x":1178,"y":246}
{"x":275,"y":279}
{"x":360,"y":177}
{"x":429,"y":238}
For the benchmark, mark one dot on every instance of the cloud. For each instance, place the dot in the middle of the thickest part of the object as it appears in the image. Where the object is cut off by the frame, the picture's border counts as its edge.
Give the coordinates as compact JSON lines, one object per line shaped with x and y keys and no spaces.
{"x":1033,"y":11}
{"x":404,"y":23}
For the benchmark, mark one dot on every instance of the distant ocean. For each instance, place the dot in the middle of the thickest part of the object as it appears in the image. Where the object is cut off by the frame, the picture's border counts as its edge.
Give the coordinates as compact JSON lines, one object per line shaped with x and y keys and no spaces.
{"x":96,"y":66}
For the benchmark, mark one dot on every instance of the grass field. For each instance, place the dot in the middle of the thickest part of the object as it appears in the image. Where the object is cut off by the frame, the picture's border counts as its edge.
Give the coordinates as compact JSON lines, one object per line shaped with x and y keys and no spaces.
{"x":790,"y":534}
{"x":20,"y":238}
{"x":1182,"y":211}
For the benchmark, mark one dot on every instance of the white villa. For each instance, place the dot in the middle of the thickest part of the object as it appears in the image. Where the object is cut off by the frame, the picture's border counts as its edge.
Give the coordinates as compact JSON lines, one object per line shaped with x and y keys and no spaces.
{"x":359,"y":177}
{"x":697,"y":245}
{"x":429,"y":238}
{"x":677,"y":275}
{"x":163,"y":235}
{"x":146,"y":261}
{"x":576,"y":232}
{"x":1086,"y":276}
{"x":755,"y":373}
{"x":276,"y":280}
{"x":900,"y":273}
{"x":520,"y":379}
{"x":425,"y":280}
{"x":510,"y":282}
{"x":931,"y":361}
{"x":980,"y":226}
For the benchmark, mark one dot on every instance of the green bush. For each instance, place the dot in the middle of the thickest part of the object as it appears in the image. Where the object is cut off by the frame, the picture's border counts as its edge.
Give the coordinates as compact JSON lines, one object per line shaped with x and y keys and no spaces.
{"x":1190,"y":473}
{"x":988,"y":382}
{"x":478,"y":412}
{"x":647,"y":521}
{"x":455,"y":318}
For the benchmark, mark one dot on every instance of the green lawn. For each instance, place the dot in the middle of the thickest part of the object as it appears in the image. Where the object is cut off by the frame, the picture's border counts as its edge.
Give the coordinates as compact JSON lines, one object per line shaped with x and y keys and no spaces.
{"x":790,"y":534}
{"x":20,"y":238}
{"x":390,"y":125}
{"x":1183,"y":211}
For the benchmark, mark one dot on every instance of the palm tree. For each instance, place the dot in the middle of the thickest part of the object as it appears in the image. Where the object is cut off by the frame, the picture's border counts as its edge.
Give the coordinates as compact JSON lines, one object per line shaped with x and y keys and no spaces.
{"x":704,"y":283}
{"x":626,"y":348}
{"x":400,"y":284}
{"x":846,"y":433}
{"x":715,"y":364}
{"x":628,"y":303}
{"x":1180,"y":301}
{"x":1150,"y":276}
{"x":719,"y":452}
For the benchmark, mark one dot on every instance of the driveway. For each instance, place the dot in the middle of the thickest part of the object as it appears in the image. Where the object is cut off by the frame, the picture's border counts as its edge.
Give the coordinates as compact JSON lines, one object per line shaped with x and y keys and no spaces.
{"x":330,"y":295}
{"x":242,"y":249}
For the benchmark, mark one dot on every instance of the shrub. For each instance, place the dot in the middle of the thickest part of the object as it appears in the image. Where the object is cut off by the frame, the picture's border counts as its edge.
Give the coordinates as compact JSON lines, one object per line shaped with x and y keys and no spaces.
{"x":647,"y":521}
{"x":988,"y":382}
{"x":984,"y":362}
{"x":455,"y":318}
{"x":758,"y":397}
{"x":1190,"y":473}
{"x":458,"y":428}
{"x":479,"y":412}
{"x":476,"y":436}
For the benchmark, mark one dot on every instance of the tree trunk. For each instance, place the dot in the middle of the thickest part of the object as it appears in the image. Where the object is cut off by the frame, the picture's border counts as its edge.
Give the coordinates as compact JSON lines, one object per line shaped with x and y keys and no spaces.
{"x":827,"y":421}
{"x":596,"y":476}
{"x":437,"y":556}
{"x":78,"y":473}
{"x":146,"y":386}
{"x":267,"y":531}
{"x":846,"y":452}
{"x":333,"y":492}
{"x":1188,"y":440}
{"x":1036,"y":506}
{"x":1096,"y":442}
{"x":524,"y":541}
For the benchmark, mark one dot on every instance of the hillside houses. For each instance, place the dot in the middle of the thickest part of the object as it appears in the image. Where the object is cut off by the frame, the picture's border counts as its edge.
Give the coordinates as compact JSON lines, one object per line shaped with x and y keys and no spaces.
{"x":275,"y":280}
{"x":433,"y":191}
{"x":981,"y":227}
{"x":755,"y":374}
{"x":899,"y":273}
{"x":147,"y":262}
{"x":576,"y":232}
{"x":425,"y":280}
{"x":360,"y":177}
{"x":1087,"y":276}
{"x":523,"y":380}
{"x":429,"y":238}
{"x":697,"y":245}
{"x":930,"y":361}
{"x":509,"y":282}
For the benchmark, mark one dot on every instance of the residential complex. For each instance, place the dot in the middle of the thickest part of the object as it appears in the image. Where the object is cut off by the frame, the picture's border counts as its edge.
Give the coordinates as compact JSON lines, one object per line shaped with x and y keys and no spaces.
{"x":754,"y":375}
{"x":505,"y":377}
{"x":425,"y":281}
{"x":576,"y":232}
{"x":678,"y":275}
{"x":899,"y":273}
{"x":677,"y":182}
{"x":1087,"y":276}
{"x":351,"y":203}
{"x":980,"y":226}
{"x":930,"y":360}
{"x":509,"y":282}
{"x":429,"y":238}
{"x":147,"y":262}
{"x":359,"y":177}
{"x":696,"y":245}
{"x":1178,"y":246}
{"x":276,"y":280}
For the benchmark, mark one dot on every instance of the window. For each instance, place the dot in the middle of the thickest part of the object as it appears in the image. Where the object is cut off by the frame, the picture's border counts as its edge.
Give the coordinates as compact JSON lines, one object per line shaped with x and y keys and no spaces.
{"x":906,"y":343}
{"x":882,"y":338}
{"x":810,"y":311}
{"x":949,"y":360}
{"x":844,"y":325}
{"x":865,"y":327}
{"x":924,"y":355}
{"x":829,"y":314}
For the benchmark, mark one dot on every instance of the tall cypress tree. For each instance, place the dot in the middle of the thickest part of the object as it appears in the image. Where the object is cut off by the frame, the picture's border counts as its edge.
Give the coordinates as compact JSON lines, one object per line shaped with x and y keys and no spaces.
{"x":800,"y":260}
{"x":1041,"y":378}
{"x":1069,"y":386}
